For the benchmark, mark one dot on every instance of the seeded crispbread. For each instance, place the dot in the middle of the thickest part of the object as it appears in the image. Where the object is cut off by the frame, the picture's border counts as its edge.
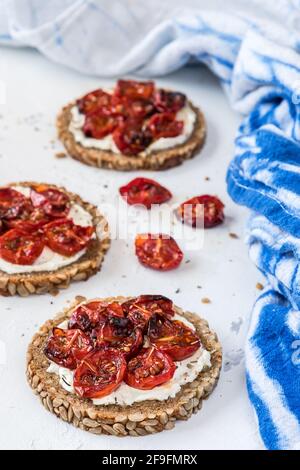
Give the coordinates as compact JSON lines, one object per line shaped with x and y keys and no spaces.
{"x":139,"y":419}
{"x":88,"y":264}
{"x":158,"y":160}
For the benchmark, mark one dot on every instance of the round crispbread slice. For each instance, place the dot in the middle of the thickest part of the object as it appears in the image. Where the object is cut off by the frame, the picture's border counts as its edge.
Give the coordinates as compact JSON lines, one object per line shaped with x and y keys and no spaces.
{"x":157,"y":160}
{"x":138,"y":419}
{"x":89,"y":263}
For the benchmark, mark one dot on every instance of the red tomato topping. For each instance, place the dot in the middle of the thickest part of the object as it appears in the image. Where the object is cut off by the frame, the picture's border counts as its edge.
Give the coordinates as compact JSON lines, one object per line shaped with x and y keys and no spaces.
{"x":99,"y":125}
{"x":134,"y":90}
{"x":206,"y":209}
{"x":88,"y":316}
{"x":159,"y":252}
{"x":19,"y":247}
{"x":66,"y":238}
{"x":99,"y":373}
{"x":169,"y":101}
{"x":53,"y":202}
{"x":67,"y":347}
{"x":149,"y":369}
{"x":140,"y":309}
{"x":164,"y":125}
{"x":173,"y":337}
{"x":11,"y":203}
{"x":145,"y":191}
{"x":130,"y":138}
{"x":127,"y":341}
{"x":95,"y":101}
{"x":137,"y":109}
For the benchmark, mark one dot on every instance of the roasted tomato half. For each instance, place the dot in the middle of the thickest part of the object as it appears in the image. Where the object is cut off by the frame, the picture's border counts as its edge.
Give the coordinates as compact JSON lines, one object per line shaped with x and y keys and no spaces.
{"x":140,"y":309}
{"x":66,"y":238}
{"x":202,"y":209}
{"x":145,"y":191}
{"x":67,"y":347}
{"x":134,"y":90}
{"x":53,"y":202}
{"x":19,"y":247}
{"x":99,"y":125}
{"x":159,"y":252}
{"x":99,"y":373}
{"x":95,"y":101}
{"x":11,"y":203}
{"x":131,"y":138}
{"x":149,"y":369}
{"x":125,"y":107}
{"x":169,"y":101}
{"x":164,"y":125}
{"x":125,"y":340}
{"x":173,"y":337}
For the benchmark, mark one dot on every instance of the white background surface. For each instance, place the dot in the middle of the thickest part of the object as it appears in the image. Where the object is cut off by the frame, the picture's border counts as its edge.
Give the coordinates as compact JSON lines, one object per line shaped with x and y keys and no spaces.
{"x":35,"y":90}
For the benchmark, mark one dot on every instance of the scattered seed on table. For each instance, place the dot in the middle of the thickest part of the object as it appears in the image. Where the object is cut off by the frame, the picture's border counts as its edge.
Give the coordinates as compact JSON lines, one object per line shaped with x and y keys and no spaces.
{"x":205,"y":300}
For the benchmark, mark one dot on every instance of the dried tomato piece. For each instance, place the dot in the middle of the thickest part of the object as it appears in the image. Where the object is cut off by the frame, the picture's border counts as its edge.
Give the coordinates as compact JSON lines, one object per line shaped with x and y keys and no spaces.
{"x":169,"y":101}
{"x":159,"y":252}
{"x":67,"y":347}
{"x":140,"y":309}
{"x":149,"y":369}
{"x":95,"y":101}
{"x":53,"y":202}
{"x":99,"y":373}
{"x":164,"y":125}
{"x":66,"y":238}
{"x":131,"y":138}
{"x":99,"y":125}
{"x":173,"y":338}
{"x":134,"y":90}
{"x":145,"y":191}
{"x":19,"y":247}
{"x":11,"y":203}
{"x":206,"y":209}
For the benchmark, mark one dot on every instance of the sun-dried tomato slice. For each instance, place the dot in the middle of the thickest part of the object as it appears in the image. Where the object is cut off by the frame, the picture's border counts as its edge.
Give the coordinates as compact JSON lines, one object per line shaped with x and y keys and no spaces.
{"x":131,"y":138}
{"x":53,"y":202}
{"x":140,"y":309}
{"x":11,"y":203}
{"x":95,"y":101}
{"x":159,"y":252}
{"x":164,"y":125}
{"x":169,"y":101}
{"x":201,"y":209}
{"x":99,"y":373}
{"x":19,"y":247}
{"x":173,"y":337}
{"x":66,"y":238}
{"x":145,"y":191}
{"x":99,"y":125}
{"x":67,"y":347}
{"x":134,"y":90}
{"x":149,"y":369}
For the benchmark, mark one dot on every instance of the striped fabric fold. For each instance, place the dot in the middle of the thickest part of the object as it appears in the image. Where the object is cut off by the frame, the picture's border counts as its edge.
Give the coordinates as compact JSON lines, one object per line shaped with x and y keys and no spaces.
{"x":255,"y":53}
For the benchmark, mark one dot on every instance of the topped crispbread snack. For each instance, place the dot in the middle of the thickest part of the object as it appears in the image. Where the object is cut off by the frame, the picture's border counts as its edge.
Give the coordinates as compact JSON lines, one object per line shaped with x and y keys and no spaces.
{"x":48,"y":237}
{"x":133,"y":126}
{"x":124,"y":366}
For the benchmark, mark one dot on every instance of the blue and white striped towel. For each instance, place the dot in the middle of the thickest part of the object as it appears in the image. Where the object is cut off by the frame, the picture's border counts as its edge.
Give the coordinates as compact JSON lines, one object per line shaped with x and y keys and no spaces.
{"x":254,"y":49}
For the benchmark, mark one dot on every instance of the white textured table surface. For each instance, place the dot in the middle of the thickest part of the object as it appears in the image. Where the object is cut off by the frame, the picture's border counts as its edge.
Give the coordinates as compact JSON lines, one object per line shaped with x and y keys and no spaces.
{"x":36,"y":89}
